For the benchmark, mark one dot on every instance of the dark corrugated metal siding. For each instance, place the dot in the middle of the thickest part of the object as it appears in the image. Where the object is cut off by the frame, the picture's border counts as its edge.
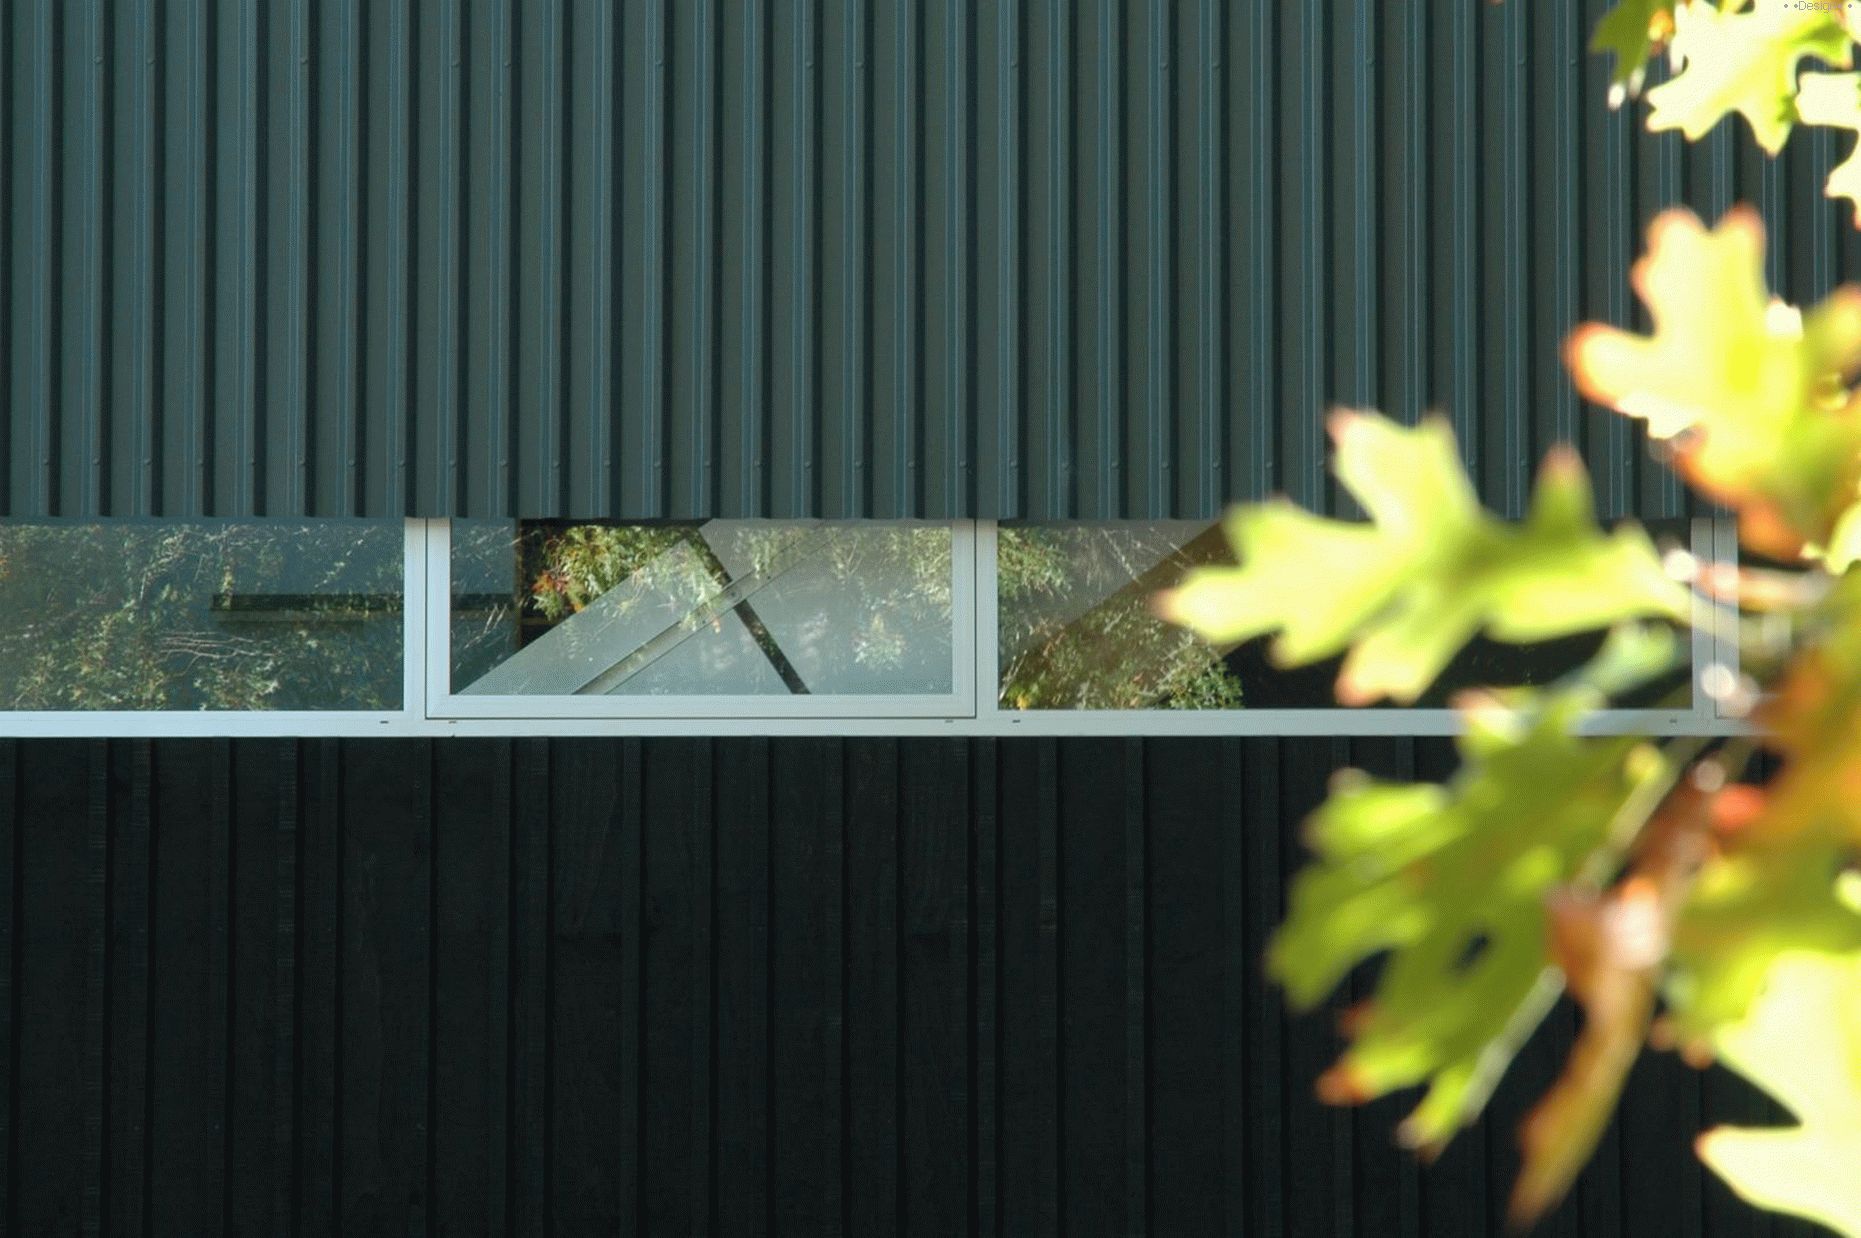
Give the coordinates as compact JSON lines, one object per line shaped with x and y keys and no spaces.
{"x":871,"y":257}
{"x":736,"y":986}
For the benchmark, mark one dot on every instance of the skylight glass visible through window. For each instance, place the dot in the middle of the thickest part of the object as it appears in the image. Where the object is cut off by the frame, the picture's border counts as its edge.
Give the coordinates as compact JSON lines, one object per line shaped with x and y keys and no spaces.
{"x":723,"y":607}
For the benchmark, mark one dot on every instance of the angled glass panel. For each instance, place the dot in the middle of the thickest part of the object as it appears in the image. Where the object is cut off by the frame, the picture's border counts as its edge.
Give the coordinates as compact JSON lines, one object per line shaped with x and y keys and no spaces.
{"x":196,"y":615}
{"x":1076,"y":631}
{"x":717,"y":608}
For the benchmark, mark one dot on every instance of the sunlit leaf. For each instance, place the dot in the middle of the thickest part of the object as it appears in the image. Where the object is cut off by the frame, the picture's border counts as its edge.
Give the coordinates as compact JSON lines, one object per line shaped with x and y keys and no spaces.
{"x":1812,"y":717}
{"x":1632,"y":31}
{"x":1776,"y":881}
{"x":1748,"y":392}
{"x":1746,"y":909}
{"x":1801,"y":1043}
{"x":1430,"y":570}
{"x":1834,"y":99}
{"x":1451,"y":881}
{"x":1745,"y":61}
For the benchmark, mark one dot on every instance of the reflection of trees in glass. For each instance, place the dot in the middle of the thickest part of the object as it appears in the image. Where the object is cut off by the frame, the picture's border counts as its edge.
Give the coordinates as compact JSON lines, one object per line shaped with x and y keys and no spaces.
{"x":203,"y":615}
{"x":571,"y":567}
{"x":1076,"y":627}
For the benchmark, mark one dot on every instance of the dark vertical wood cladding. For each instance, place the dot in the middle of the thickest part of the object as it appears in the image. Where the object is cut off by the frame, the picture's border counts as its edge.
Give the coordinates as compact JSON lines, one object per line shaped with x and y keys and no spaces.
{"x":740,"y":986}
{"x":831,"y":257}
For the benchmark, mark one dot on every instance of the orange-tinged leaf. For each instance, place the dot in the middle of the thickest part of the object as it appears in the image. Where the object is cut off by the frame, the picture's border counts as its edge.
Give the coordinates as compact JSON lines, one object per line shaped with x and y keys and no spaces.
{"x":1813,"y":717}
{"x":1609,"y":948}
{"x":1749,"y":393}
{"x":1775,"y":880}
{"x":1632,"y":31}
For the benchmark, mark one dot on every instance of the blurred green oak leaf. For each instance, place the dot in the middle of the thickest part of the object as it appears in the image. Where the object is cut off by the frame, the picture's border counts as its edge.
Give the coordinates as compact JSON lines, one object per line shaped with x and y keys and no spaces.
{"x":1451,"y":880}
{"x":1748,"y":393}
{"x":1429,"y":571}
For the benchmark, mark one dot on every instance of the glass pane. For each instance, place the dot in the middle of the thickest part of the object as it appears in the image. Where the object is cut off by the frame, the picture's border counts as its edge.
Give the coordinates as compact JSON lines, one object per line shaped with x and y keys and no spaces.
{"x":725,"y":607}
{"x":142,"y":615}
{"x":1077,"y":632}
{"x":1075,"y":624}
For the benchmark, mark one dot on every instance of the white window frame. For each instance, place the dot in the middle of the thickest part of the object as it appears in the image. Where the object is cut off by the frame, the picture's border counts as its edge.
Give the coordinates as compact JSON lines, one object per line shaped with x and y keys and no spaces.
{"x":430,"y":709}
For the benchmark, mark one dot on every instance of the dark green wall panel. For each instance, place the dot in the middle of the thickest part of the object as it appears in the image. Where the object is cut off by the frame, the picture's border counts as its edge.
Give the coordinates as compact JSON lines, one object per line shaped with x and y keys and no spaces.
{"x":867,"y":257}
{"x":736,"y":986}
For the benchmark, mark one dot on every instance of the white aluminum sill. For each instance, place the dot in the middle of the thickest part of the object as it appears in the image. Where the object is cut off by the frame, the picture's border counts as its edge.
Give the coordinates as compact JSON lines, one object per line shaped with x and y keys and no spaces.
{"x":431,"y":710}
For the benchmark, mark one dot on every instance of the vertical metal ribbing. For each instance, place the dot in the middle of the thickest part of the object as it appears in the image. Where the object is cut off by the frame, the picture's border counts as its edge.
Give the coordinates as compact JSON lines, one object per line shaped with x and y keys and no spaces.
{"x":1611,"y":457}
{"x":705,"y":178}
{"x":287,"y":386}
{"x":1419,"y":211}
{"x":134,"y":399}
{"x":235,"y":490}
{"x":1464,"y":210}
{"x":802,"y":498}
{"x":1719,"y":164}
{"x":1062,"y":500}
{"x":284,"y":1007}
{"x":1566,"y":83}
{"x":149,"y":149}
{"x":1009,"y":208}
{"x":959,"y":480}
{"x":755,"y":219}
{"x":187,"y":326}
{"x":82,"y":382}
{"x":95,"y":902}
{"x":856,"y":479}
{"x":1108,"y":338}
{"x":1159,"y":410}
{"x":33,"y":348}
{"x":1206,"y":492}
{"x":1364,"y":389}
{"x":10,"y":931}
{"x":385,"y":482}
{"x":631,"y":1015}
{"x":833,"y":995}
{"x":442,"y":493}
{"x":656,"y":267}
{"x":1772,"y":205}
{"x":983,"y":977}
{"x":542,"y":433}
{"x":1514,"y":462}
{"x":591,"y":493}
{"x":6,"y":287}
{"x":906,"y":305}
{"x":1305,"y":436}
{"x":1237,"y":984}
{"x":1262,"y":403}
{"x":1822,"y":235}
{"x":1136,"y":994}
{"x":702,"y":832}
{"x":1669,"y":497}
{"x":490,"y":492}
{"x":336,"y":278}
{"x":217,"y":949}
